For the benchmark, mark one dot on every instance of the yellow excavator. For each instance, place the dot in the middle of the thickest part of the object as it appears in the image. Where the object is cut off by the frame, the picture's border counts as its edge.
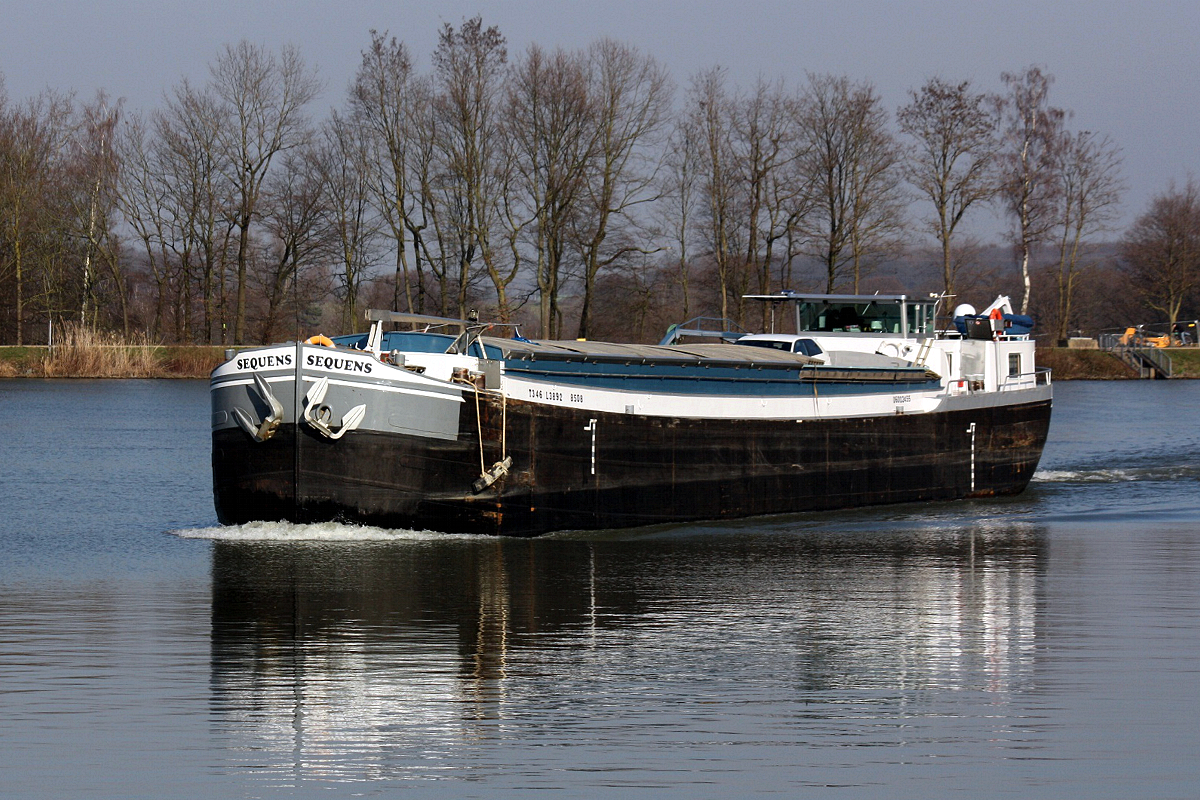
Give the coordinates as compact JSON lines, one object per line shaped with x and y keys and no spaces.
{"x":1136,"y":337}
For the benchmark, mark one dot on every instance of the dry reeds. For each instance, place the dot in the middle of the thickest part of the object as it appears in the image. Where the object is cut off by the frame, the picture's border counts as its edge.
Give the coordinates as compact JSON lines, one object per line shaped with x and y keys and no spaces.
{"x":82,"y":352}
{"x":195,"y":362}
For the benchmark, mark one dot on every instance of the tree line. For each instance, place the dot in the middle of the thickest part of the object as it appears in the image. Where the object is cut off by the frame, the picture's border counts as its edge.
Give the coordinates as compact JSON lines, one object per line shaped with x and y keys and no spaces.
{"x":576,"y":193}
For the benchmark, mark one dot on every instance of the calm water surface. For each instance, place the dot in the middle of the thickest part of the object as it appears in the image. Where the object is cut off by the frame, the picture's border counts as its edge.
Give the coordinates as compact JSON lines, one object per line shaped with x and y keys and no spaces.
{"x":1042,"y":646}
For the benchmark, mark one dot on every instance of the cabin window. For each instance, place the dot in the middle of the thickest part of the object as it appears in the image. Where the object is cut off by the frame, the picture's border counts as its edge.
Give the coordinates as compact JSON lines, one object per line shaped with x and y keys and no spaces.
{"x":1014,"y":364}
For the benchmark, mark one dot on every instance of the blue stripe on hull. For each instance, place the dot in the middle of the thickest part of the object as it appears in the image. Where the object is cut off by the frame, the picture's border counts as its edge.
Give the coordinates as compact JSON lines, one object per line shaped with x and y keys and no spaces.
{"x":723,"y":381}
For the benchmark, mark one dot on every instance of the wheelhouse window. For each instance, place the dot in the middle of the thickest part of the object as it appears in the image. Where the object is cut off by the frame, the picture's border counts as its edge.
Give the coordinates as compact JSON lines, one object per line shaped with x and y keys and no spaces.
{"x":1014,"y":364}
{"x":866,"y":316}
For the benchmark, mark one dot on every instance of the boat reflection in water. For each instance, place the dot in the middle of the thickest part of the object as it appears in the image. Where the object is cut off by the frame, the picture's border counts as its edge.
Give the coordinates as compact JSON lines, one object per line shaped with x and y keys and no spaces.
{"x":443,"y":656}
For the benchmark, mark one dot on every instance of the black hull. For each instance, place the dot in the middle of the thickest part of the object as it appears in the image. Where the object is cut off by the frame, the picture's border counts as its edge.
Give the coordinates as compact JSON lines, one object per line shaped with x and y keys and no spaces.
{"x":647,"y":470}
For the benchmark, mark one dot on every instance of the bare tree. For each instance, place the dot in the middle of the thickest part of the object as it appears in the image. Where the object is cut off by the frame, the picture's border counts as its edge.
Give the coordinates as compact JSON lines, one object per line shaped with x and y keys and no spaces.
{"x":1032,"y":134}
{"x":346,"y":176}
{"x":389,"y":100}
{"x":711,"y":113}
{"x":438,"y":209}
{"x":850,"y":159}
{"x":297,"y":218}
{"x":951,"y":158}
{"x":777,"y":194}
{"x":680,"y":198}
{"x":142,"y":195}
{"x":264,"y":98}
{"x":94,"y":178}
{"x":877,"y":208}
{"x":550,"y":134}
{"x":469,"y":73}
{"x":630,"y":93}
{"x":32,"y":142}
{"x":1162,"y":249}
{"x":198,"y":196}
{"x":752,"y":157}
{"x":1088,"y":169}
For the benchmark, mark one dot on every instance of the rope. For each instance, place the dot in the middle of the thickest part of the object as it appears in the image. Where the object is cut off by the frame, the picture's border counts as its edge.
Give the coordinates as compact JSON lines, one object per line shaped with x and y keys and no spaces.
{"x":479,"y":427}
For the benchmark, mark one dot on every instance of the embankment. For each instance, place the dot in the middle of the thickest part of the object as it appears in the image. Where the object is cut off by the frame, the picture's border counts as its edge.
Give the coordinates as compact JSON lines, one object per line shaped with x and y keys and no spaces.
{"x":1098,"y":365}
{"x":1083,"y":365}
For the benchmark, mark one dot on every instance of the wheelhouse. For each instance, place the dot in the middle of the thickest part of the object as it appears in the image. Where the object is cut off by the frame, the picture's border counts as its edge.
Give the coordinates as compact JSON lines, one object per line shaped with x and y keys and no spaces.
{"x":878,"y":314}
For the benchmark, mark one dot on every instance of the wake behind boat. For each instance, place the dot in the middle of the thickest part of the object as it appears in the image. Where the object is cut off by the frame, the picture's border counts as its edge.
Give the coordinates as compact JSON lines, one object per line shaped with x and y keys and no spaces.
{"x":866,"y":403}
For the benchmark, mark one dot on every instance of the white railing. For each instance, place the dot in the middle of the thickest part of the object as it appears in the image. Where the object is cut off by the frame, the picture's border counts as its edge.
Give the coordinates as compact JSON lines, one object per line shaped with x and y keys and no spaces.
{"x":1026,"y":380}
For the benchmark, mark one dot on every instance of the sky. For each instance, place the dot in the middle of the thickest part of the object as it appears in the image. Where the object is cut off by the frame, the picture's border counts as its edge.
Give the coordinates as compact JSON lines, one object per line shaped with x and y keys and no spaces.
{"x":1126,"y":69}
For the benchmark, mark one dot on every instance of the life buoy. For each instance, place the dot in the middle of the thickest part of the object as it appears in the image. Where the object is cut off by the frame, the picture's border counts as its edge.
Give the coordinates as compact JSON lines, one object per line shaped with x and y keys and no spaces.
{"x":996,"y":314}
{"x":321,"y":339}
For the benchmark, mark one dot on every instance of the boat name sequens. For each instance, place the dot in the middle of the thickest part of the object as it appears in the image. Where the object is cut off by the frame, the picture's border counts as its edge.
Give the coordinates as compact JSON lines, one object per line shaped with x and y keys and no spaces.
{"x":264,"y":362}
{"x":450,"y":429}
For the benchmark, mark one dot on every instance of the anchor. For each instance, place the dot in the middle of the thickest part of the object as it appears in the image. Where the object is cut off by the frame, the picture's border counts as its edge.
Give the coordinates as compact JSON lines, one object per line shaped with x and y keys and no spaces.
{"x":498,"y":471}
{"x":318,"y":415}
{"x":265,"y":430}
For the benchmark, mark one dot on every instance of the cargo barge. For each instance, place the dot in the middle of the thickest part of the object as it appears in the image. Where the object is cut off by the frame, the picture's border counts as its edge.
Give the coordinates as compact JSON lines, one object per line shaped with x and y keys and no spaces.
{"x":447,"y":428}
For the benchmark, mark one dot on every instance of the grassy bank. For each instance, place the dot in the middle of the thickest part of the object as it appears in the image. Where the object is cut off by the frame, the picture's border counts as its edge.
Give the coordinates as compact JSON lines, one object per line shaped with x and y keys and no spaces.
{"x":1185,"y":362}
{"x":82,"y":353}
{"x":1098,"y":365}
{"x":1083,"y":365}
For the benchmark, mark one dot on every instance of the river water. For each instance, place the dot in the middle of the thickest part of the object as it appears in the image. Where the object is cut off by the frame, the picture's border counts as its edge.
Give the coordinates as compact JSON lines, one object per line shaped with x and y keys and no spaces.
{"x":1045,"y":646}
